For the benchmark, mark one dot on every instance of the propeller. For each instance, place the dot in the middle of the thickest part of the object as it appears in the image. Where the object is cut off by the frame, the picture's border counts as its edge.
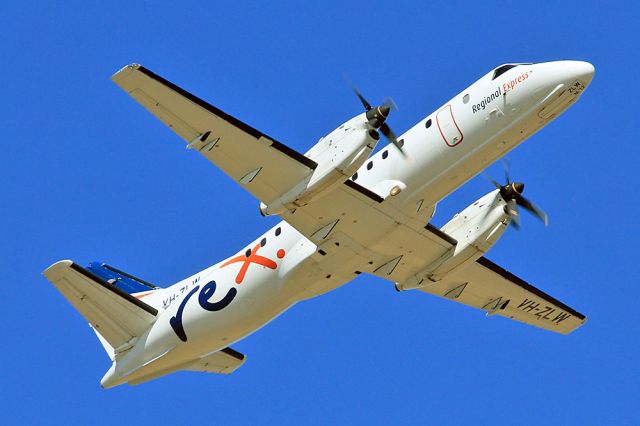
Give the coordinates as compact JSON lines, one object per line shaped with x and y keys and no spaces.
{"x":511,"y":192}
{"x":377,"y":118}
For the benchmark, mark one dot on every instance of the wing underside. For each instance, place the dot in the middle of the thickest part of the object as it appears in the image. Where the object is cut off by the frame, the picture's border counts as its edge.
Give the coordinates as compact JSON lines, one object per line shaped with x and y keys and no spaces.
{"x":369,"y":223}
{"x":263,"y":166}
{"x":487,"y":286}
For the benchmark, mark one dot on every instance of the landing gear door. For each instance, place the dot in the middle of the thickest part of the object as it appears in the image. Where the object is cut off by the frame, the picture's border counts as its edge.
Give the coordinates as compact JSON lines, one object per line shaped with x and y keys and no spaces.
{"x":448,"y":127}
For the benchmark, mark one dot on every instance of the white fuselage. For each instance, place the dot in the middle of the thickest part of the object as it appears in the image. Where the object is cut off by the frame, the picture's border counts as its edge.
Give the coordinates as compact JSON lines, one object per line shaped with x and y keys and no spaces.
{"x":443,"y":150}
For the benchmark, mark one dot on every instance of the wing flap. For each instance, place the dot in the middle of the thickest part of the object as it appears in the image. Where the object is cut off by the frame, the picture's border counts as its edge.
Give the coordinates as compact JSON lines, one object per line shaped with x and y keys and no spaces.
{"x":263,"y":166}
{"x":116,"y":315}
{"x":487,"y":286}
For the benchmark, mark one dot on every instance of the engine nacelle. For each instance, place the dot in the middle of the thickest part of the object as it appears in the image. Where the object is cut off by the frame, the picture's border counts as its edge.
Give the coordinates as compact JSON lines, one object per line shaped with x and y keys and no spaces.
{"x":338,"y":155}
{"x":477,"y":228}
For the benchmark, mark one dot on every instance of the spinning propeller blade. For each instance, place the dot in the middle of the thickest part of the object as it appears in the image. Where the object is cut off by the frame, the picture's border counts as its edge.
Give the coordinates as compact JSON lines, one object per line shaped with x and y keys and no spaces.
{"x":364,"y":102}
{"x":377,"y":117}
{"x":506,"y":167}
{"x":534,"y":210}
{"x":511,"y":192}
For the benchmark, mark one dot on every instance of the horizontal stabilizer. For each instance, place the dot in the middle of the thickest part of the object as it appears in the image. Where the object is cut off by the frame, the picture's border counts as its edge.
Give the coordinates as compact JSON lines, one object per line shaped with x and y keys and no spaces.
{"x":225,"y":361}
{"x":113,"y":313}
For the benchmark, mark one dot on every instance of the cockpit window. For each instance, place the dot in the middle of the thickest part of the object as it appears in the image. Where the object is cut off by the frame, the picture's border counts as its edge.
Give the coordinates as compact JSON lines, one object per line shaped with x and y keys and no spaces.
{"x":502,"y":69}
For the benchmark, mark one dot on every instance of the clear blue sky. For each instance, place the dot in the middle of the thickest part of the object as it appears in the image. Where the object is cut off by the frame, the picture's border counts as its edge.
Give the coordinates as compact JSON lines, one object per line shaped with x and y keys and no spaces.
{"x":87,"y":174}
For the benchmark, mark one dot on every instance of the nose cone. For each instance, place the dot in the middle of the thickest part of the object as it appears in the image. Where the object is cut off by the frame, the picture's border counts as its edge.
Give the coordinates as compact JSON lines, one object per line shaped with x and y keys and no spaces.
{"x":384,"y":110}
{"x":518,"y":187}
{"x":512,"y":191}
{"x":377,"y":116}
{"x":560,"y":83}
{"x":580,"y":70}
{"x":568,"y":72}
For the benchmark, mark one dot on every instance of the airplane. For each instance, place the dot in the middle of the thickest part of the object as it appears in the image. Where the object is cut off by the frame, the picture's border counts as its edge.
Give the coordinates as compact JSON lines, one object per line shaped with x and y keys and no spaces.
{"x":344,"y":212}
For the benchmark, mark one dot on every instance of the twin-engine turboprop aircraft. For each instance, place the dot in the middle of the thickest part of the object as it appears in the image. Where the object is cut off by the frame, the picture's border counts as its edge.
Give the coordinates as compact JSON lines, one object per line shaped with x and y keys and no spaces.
{"x":344,"y":212}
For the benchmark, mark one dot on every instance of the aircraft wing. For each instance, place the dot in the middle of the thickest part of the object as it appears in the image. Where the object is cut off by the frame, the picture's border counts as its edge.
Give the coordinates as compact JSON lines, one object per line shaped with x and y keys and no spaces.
{"x":487,"y":286}
{"x":113,"y":313}
{"x":397,"y":247}
{"x":355,"y":228}
{"x":263,"y":166}
{"x":353,"y":216}
{"x":406,"y":249}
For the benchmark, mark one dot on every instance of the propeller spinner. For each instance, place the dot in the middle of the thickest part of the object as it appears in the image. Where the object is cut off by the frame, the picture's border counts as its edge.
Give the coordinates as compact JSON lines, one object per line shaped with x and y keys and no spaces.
{"x":377,"y":117}
{"x":511,"y":192}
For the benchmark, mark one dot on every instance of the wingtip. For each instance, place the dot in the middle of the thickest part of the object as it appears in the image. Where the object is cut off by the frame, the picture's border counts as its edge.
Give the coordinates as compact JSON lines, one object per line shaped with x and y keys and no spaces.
{"x":52,"y":271}
{"x":132,"y":66}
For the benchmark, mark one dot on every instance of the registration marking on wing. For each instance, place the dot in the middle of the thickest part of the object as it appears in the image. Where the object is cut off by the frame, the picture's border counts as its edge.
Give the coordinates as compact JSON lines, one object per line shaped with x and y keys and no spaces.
{"x":545,"y":312}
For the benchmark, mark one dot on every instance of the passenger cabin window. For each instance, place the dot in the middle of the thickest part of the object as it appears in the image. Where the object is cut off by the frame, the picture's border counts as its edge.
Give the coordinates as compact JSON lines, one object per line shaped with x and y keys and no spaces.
{"x":385,"y":154}
{"x":501,"y":70}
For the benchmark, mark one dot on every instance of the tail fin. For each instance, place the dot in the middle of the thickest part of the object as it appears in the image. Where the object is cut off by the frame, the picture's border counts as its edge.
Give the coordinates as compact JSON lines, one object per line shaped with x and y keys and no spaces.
{"x":105,"y":297}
